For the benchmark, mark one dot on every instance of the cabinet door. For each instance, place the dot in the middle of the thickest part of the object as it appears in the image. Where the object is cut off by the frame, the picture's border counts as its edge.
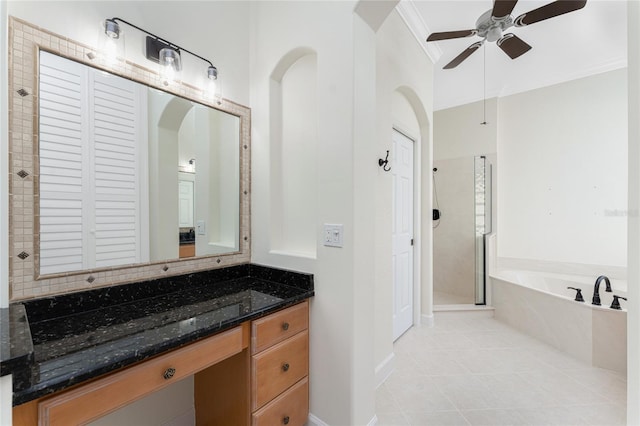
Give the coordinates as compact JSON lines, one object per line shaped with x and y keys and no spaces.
{"x":279,"y":367}
{"x":279,"y":326}
{"x":89,"y":402}
{"x":291,"y":408}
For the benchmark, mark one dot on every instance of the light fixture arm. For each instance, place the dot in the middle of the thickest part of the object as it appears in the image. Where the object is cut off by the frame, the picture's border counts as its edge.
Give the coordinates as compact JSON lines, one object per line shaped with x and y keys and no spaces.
{"x":173,"y":45}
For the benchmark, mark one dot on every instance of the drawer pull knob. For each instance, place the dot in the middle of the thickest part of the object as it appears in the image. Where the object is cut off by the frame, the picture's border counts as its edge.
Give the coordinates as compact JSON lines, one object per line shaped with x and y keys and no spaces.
{"x":285,"y":326}
{"x":285,"y":420}
{"x":285,"y":367}
{"x":168,"y":373}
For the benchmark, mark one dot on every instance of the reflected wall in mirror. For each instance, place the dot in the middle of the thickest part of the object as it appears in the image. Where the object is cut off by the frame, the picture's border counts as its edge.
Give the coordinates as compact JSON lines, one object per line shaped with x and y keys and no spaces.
{"x":122,"y":179}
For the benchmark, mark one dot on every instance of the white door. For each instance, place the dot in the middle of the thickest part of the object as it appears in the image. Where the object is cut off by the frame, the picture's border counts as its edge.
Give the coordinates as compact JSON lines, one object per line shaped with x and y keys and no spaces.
{"x":185,"y":203}
{"x":402,"y":244}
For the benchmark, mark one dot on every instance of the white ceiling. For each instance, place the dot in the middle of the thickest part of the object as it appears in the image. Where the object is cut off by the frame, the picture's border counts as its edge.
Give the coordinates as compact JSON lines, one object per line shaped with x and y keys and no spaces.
{"x":581,"y":43}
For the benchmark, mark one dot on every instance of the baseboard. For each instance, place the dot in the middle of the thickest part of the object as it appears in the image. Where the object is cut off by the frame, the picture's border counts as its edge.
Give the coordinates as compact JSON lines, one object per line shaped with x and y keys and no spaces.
{"x":385,"y":368}
{"x":427,"y":320}
{"x":314,"y":421}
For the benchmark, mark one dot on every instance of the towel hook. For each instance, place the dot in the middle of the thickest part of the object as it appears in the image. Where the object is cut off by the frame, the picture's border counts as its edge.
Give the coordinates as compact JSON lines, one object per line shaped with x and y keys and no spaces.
{"x":384,"y":163}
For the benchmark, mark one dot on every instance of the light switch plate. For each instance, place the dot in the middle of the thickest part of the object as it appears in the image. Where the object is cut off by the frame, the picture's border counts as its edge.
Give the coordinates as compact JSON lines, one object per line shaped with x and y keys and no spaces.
{"x":201,"y":230}
{"x":333,"y":235}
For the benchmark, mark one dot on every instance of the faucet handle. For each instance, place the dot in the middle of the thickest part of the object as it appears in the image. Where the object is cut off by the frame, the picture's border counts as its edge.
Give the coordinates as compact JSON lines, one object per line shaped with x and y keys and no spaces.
{"x":579,"y":297}
{"x":616,"y":303}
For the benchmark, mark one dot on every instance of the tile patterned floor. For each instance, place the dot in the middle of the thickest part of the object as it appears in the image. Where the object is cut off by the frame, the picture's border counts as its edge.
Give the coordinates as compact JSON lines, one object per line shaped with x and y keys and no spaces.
{"x":478,"y":371}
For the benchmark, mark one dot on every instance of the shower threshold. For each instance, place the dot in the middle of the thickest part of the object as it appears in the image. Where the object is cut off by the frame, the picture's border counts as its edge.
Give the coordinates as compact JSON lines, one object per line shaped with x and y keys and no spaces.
{"x":463,"y":310}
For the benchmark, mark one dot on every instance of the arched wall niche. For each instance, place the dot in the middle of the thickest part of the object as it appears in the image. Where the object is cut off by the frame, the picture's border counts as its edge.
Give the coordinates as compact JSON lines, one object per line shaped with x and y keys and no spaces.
{"x":293,"y":159}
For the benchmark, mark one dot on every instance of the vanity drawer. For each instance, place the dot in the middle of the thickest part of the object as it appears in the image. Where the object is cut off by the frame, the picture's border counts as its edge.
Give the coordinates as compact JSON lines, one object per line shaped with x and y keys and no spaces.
{"x":279,"y":326}
{"x":102,"y":396}
{"x":291,"y":408}
{"x":279,"y":367}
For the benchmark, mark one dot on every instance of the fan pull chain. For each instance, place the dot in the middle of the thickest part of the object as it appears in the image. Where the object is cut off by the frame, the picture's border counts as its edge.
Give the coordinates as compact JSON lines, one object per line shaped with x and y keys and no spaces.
{"x":484,"y":85}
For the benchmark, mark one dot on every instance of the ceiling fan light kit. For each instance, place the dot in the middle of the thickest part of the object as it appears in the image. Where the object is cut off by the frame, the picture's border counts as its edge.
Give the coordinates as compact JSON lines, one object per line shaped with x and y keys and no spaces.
{"x":492,"y":24}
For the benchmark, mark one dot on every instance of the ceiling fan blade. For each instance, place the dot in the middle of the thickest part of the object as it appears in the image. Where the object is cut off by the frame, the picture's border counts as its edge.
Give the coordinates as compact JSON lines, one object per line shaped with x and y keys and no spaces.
{"x":513,"y":45}
{"x":502,"y":8}
{"x":464,"y":55}
{"x":451,"y":34}
{"x":550,"y":10}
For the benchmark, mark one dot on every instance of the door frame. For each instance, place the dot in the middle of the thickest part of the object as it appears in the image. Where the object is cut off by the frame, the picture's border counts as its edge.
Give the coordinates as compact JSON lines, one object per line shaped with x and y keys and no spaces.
{"x":417,"y":228}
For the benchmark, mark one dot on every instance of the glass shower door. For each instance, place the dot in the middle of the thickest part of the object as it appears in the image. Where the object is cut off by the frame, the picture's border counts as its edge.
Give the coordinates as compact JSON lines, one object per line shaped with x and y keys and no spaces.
{"x":482,"y":215}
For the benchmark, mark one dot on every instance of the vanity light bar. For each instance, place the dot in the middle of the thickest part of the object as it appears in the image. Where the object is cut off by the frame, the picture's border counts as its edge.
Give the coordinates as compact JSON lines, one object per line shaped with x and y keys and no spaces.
{"x":154,"y":44}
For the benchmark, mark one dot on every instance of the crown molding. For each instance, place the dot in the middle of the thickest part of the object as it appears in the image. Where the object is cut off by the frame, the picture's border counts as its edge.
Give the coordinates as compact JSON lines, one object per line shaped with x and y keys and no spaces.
{"x":558,"y":78}
{"x":526,"y":86}
{"x":412,"y":18}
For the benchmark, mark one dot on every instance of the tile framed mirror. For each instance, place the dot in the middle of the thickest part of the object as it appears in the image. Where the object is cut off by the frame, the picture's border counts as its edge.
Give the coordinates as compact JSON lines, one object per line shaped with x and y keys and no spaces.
{"x":114,"y":177}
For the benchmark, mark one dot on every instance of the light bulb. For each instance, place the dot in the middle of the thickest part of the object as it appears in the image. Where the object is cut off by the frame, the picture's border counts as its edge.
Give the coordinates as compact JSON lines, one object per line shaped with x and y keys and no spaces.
{"x":111,"y":42}
{"x":213,"y":91}
{"x":110,"y":50}
{"x":169,"y":61}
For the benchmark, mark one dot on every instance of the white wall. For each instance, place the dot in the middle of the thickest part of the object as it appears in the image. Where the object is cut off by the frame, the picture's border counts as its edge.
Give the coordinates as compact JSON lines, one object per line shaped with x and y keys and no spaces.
{"x":350,"y":97}
{"x":4,"y":158}
{"x":224,"y":39}
{"x":224,"y":207}
{"x":457,"y":131}
{"x":5,"y":382}
{"x":293,"y":158}
{"x":165,"y":114}
{"x":349,"y":183}
{"x":404,"y":101}
{"x":633,"y":314}
{"x":277,"y":29}
{"x":562,"y":181}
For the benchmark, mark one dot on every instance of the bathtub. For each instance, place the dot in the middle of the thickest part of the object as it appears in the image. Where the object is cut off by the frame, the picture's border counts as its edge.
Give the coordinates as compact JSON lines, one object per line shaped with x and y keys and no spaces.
{"x":539,"y":304}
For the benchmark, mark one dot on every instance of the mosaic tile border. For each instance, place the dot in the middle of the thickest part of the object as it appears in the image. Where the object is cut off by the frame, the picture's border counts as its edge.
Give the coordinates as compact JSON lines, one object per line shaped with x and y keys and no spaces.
{"x":25,"y":41}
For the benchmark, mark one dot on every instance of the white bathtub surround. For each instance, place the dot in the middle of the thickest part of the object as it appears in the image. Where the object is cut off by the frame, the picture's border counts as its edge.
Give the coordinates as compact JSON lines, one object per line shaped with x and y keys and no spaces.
{"x":540,"y":305}
{"x":575,"y":269}
{"x":470,"y":371}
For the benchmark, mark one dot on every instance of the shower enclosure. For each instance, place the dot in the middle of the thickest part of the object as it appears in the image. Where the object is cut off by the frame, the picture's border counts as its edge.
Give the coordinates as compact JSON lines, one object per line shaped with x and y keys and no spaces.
{"x":462,"y":198}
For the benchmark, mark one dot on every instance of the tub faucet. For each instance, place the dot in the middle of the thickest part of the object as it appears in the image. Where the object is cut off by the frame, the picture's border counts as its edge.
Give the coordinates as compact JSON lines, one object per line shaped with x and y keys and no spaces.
{"x":596,"y":289}
{"x":616,"y":303}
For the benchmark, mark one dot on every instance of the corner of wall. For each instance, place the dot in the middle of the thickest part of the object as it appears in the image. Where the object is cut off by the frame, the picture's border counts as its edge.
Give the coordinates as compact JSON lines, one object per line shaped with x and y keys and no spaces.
{"x":385,"y":368}
{"x":4,"y":157}
{"x":5,"y":382}
{"x":427,"y":320}
{"x":315,"y":421}
{"x":633,"y":231}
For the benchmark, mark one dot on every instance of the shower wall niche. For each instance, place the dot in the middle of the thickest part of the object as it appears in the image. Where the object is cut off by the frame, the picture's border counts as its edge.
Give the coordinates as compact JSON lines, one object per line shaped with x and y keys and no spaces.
{"x":462,"y":194}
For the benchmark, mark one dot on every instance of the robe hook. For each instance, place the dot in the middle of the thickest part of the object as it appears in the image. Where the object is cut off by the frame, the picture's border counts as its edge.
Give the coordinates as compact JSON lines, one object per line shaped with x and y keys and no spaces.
{"x":384,"y":163}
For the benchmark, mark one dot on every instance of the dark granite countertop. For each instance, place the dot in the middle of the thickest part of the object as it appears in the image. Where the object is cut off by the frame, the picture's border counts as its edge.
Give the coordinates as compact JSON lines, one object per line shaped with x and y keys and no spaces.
{"x":56,"y":342}
{"x":16,"y":346}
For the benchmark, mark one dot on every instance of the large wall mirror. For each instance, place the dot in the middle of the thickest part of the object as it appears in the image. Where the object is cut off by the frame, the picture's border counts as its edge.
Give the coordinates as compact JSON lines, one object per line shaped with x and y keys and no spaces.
{"x":123,"y":181}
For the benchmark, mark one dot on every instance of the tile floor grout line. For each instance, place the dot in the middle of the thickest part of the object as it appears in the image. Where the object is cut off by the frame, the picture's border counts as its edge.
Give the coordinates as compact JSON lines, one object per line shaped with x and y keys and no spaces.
{"x":505,"y":341}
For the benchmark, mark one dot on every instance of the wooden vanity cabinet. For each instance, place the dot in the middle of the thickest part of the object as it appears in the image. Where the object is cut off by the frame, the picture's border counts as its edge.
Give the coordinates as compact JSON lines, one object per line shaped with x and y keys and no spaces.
{"x":280,"y":367}
{"x":100,"y":397}
{"x":186,"y":250}
{"x":254,"y":373}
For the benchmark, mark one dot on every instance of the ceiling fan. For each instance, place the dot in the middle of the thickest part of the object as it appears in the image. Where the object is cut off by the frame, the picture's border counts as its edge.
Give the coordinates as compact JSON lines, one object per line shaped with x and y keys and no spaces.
{"x":491,"y":24}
